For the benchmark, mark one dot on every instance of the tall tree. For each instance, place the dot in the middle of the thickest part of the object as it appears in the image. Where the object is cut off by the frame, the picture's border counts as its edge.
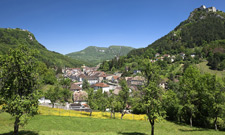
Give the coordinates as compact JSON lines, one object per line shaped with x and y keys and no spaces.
{"x":101,"y":99}
{"x":189,"y":90}
{"x":18,"y":88}
{"x":124,"y":96}
{"x":91,"y":100}
{"x":216,"y":100}
{"x":112,"y":103}
{"x":152,"y":94}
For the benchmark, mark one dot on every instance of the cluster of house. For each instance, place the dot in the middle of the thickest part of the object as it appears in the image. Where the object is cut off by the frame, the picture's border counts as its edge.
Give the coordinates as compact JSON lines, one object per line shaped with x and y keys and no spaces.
{"x":172,"y":58}
{"x":158,"y":57}
{"x":97,"y":80}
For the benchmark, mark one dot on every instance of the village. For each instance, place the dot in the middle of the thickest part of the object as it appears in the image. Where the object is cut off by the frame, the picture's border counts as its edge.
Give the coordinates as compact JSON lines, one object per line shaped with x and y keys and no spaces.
{"x":106,"y":82}
{"x":97,"y":80}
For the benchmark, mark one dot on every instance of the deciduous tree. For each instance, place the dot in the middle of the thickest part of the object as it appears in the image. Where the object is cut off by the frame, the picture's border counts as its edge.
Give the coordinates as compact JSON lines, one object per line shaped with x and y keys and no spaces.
{"x":124,"y":96}
{"x":18,"y":88}
{"x":152,"y":94}
{"x":189,"y":89}
{"x":53,"y":94}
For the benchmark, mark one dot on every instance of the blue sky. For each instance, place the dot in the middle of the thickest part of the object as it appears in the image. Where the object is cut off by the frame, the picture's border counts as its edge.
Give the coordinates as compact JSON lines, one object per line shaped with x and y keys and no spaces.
{"x":66,"y":26}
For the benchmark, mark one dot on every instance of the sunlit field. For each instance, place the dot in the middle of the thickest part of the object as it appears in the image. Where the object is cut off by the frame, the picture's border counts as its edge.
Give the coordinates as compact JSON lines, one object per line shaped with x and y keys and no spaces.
{"x":100,"y":115}
{"x":64,"y":122}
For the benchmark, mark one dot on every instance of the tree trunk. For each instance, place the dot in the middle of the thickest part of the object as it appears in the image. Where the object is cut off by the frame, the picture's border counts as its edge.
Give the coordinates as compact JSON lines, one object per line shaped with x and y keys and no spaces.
{"x":53,"y":105}
{"x":111,"y":114}
{"x":114,"y":115}
{"x":16,"y":126}
{"x":152,"y":122}
{"x":215,"y":124}
{"x":123,"y":113}
{"x":91,"y":112}
{"x":191,"y":121}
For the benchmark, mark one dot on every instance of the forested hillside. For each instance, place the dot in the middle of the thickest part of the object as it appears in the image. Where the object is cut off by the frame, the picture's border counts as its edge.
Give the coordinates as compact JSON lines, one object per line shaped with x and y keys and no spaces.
{"x":202,"y":35}
{"x":12,"y":38}
{"x":96,"y":55}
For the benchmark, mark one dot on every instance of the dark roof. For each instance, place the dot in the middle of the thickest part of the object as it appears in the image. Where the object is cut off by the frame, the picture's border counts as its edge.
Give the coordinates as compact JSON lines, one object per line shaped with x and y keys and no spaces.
{"x":75,"y":104}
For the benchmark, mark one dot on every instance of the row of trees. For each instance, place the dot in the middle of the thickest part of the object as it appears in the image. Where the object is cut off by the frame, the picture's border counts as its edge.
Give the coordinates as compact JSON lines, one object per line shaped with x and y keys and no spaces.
{"x":198,"y":98}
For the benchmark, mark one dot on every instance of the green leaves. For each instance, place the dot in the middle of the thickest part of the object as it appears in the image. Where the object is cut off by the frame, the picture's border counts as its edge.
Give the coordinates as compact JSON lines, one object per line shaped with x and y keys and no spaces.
{"x":18,"y":85}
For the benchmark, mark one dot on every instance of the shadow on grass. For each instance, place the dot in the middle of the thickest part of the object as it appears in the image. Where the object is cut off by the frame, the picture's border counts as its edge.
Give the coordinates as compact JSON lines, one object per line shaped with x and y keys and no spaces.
{"x":192,"y":130}
{"x":22,"y":133}
{"x":106,"y":116}
{"x":131,"y":133}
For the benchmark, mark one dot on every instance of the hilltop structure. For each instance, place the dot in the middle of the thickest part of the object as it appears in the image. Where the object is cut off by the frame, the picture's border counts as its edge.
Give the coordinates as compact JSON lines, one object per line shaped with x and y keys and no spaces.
{"x":210,"y":9}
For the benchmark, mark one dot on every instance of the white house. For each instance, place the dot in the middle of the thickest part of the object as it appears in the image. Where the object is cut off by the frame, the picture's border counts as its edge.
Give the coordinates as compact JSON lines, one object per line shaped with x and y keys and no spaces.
{"x":92,"y":79}
{"x":43,"y":100}
{"x":103,"y":86}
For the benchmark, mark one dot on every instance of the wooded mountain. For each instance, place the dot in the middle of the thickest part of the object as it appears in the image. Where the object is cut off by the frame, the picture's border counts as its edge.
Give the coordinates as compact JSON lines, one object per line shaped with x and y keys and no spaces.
{"x":12,"y":38}
{"x":95,"y":55}
{"x":199,"y":38}
{"x":203,"y":33}
{"x":203,"y":26}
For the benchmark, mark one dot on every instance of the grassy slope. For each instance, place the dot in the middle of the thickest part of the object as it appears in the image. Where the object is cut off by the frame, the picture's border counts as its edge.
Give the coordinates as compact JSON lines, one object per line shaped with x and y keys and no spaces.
{"x":205,"y":69}
{"x":61,"y":125}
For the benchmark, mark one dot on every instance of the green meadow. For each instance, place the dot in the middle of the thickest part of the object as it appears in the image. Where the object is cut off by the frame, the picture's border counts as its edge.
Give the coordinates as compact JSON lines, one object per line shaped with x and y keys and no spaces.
{"x":65,"y":125}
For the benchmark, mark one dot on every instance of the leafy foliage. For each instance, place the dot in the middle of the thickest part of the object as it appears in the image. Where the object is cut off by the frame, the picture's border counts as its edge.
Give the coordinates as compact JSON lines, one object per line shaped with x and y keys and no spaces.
{"x":18,"y":84}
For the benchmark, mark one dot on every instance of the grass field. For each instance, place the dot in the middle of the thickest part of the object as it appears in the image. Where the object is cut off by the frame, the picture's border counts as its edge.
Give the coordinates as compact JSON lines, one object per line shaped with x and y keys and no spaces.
{"x":205,"y":69}
{"x":70,"y":125}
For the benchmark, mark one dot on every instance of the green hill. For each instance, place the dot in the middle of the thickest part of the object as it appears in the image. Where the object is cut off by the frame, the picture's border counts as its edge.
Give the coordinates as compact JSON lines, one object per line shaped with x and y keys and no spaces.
{"x":95,"y":55}
{"x":12,"y":38}
{"x":202,"y":34}
{"x":202,"y":27}
{"x":200,"y":38}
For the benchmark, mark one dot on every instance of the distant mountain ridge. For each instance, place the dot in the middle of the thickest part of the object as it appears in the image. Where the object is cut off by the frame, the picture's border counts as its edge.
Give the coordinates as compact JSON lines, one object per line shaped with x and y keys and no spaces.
{"x":12,"y":38}
{"x":95,"y":55}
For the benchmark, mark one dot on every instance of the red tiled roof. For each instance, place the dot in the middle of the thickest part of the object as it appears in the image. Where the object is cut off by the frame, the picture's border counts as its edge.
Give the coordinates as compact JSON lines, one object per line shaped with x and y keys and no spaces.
{"x":115,"y":77}
{"x":100,"y":85}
